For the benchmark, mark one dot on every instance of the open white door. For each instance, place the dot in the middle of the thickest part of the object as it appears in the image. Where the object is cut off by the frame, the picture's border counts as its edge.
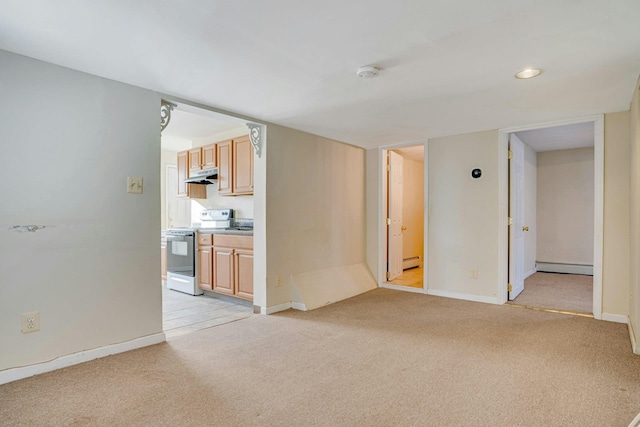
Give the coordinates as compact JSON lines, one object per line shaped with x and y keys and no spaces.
{"x":394,"y":209}
{"x":178,"y":210}
{"x":516,"y":212}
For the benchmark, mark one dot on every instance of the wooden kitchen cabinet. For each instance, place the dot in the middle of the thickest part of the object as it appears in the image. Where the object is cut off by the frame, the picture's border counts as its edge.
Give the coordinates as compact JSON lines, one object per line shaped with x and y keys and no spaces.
{"x":225,"y":160}
{"x":204,"y":271}
{"x":195,"y":160}
{"x":163,"y":259}
{"x":243,"y":263}
{"x":205,"y":261}
{"x":232,"y":265}
{"x":242,"y":181}
{"x":192,"y":191}
{"x":202,"y":158}
{"x":235,"y":166}
{"x":209,"y":156}
{"x":223,"y":271}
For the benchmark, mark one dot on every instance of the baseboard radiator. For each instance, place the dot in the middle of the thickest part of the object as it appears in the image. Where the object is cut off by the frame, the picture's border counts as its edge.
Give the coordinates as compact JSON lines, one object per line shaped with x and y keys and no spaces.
{"x":555,"y":267}
{"x":412,"y":262}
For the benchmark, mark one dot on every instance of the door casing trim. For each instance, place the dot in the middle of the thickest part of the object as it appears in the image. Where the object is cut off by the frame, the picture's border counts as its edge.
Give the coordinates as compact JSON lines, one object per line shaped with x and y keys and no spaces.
{"x":382,"y":230}
{"x":503,"y":207}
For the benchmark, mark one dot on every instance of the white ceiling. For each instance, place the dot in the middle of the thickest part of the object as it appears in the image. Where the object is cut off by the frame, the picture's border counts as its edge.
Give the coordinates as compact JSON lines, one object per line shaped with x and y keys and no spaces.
{"x":559,"y":137}
{"x":189,"y":125}
{"x":447,"y":66}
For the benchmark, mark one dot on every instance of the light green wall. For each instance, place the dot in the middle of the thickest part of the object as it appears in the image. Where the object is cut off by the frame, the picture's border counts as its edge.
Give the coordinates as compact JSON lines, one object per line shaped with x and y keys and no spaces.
{"x":94,"y":272}
{"x":634,"y":307}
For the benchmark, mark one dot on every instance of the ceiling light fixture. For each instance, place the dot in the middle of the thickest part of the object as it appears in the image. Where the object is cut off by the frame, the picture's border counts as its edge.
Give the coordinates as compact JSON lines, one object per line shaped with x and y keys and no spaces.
{"x":367,"y":72}
{"x":528,"y":73}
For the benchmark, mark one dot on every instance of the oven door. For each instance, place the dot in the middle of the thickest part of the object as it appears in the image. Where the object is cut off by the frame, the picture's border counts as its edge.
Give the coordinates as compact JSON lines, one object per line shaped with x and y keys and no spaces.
{"x":181,"y":254}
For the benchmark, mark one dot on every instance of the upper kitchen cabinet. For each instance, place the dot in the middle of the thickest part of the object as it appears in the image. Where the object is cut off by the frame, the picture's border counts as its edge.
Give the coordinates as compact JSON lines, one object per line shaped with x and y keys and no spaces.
{"x":192,"y":191}
{"x":202,"y":158}
{"x":195,"y":160}
{"x":209,"y":157}
{"x":235,"y":166}
{"x":225,"y":160}
{"x":242,"y":166}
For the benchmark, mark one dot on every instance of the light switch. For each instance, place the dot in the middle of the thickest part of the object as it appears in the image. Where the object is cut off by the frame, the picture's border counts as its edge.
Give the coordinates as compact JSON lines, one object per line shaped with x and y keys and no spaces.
{"x":134,"y":184}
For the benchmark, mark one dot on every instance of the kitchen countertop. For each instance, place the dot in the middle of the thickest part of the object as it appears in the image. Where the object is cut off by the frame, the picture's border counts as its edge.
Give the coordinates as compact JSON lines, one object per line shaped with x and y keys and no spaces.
{"x":223,"y":231}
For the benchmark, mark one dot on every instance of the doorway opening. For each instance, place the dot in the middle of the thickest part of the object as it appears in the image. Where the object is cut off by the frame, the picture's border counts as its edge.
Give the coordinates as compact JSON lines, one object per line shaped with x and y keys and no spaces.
{"x":219,"y":277}
{"x":404,"y":196}
{"x":554,"y":205}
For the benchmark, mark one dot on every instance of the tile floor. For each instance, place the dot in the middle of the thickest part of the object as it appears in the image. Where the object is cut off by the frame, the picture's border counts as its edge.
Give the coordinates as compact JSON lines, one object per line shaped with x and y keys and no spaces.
{"x":182,"y":313}
{"x":412,"y":277}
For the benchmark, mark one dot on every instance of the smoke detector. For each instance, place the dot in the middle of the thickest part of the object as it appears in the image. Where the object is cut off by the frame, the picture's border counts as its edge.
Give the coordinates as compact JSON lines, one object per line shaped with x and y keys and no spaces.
{"x":367,"y":72}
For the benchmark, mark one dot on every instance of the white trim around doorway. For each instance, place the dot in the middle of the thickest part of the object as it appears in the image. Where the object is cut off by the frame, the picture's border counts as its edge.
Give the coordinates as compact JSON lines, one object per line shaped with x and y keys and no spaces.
{"x":503,"y":211}
{"x":382,"y":227}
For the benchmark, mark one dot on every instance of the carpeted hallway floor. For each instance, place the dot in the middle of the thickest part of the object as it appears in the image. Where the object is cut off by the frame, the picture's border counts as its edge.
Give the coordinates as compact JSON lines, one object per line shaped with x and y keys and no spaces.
{"x":380,"y":359}
{"x":571,"y":292}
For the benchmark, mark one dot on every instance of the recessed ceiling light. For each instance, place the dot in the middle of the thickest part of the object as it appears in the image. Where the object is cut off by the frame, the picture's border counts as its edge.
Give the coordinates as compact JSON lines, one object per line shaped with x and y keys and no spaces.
{"x":528,"y":73}
{"x":367,"y":72}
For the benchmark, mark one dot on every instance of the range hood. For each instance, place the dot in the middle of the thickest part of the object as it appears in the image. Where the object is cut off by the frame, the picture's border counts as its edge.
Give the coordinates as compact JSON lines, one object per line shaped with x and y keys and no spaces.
{"x":209,"y":176}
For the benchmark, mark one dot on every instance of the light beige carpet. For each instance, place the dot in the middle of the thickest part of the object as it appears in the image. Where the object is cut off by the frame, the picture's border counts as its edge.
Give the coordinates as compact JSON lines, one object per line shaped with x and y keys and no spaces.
{"x":570,"y":292}
{"x":385,"y":358}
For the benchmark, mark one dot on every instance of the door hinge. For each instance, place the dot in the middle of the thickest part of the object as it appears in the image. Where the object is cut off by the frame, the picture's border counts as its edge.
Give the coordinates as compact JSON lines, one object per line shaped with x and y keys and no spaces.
{"x":510,"y":288}
{"x":510,"y":221}
{"x":388,"y":168}
{"x":510,"y":155}
{"x":388,"y":221}
{"x":388,"y":275}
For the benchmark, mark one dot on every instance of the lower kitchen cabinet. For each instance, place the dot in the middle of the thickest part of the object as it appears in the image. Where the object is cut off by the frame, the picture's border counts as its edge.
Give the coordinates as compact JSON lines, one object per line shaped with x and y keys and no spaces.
{"x":226,"y":267}
{"x":223,"y":277}
{"x":243,"y":260}
{"x":163,"y":259}
{"x":204,"y":271}
{"x":205,"y":242}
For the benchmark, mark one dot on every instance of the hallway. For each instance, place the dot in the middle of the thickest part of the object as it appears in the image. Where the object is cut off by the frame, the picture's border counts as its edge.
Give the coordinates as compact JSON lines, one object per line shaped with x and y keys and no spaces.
{"x":568,"y":292}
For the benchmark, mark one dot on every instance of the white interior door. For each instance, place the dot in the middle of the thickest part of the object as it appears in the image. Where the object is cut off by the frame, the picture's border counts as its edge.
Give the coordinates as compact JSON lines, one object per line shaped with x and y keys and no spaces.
{"x":178,"y":210}
{"x":516,"y":212}
{"x":394,"y":210}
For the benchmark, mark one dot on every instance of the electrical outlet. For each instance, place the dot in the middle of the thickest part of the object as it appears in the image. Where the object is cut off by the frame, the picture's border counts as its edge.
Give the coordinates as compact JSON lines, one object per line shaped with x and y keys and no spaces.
{"x":474,"y":273}
{"x":134,"y":184}
{"x":30,"y":322}
{"x":278,"y":281}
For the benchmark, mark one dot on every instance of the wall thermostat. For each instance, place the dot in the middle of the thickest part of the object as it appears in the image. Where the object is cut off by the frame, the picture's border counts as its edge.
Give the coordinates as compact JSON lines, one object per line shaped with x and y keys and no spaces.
{"x":476,"y":173}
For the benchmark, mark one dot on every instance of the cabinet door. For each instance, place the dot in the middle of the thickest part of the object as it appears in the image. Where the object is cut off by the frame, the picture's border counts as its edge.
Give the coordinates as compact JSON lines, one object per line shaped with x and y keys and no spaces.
{"x":225,"y":158}
{"x":193,"y":191}
{"x":242,"y":166}
{"x":209,"y":156}
{"x":182,"y":173}
{"x":204,"y":268}
{"x":223,"y":270}
{"x":195,"y":159}
{"x":244,"y":273}
{"x":163,"y":261}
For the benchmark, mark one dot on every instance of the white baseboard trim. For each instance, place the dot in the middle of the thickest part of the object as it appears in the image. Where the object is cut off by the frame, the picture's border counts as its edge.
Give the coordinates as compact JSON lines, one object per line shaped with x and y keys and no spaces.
{"x":14,"y":374}
{"x":534,"y":271}
{"x":402,"y":288}
{"x":618,"y":318}
{"x":459,"y":295}
{"x":275,"y":308}
{"x":632,"y":336}
{"x":553,"y":267}
{"x":299,"y":306}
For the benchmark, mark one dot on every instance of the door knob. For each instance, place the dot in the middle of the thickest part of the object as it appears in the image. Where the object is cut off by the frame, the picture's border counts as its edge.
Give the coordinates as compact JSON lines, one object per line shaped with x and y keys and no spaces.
{"x":403,"y":228}
{"x":525,"y":228}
